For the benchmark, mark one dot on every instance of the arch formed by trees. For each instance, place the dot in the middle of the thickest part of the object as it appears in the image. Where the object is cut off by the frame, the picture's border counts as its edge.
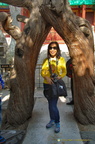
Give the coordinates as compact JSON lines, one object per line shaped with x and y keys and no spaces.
{"x":77,"y":34}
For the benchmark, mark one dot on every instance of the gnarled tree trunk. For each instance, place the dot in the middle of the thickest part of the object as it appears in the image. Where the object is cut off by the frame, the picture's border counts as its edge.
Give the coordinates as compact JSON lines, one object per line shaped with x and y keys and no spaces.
{"x":76,"y":33}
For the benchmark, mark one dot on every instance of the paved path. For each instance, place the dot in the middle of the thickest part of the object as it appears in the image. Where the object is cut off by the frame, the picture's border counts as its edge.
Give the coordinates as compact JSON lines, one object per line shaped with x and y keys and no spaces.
{"x":37,"y":133}
{"x":13,"y":136}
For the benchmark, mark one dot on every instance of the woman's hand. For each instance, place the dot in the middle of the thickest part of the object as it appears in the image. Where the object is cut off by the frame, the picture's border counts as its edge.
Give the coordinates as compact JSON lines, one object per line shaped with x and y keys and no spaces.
{"x":59,"y":77}
{"x":49,"y":80}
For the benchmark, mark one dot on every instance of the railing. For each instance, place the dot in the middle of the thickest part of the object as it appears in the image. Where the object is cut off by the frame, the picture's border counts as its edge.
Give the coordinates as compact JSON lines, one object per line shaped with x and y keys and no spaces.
{"x":38,"y":78}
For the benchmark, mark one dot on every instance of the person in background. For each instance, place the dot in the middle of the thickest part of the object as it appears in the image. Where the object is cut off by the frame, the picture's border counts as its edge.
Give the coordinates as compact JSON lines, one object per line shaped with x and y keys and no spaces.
{"x":1,"y":87}
{"x":2,"y":139}
{"x":69,"y":67}
{"x":58,"y":67}
{"x":1,"y":82}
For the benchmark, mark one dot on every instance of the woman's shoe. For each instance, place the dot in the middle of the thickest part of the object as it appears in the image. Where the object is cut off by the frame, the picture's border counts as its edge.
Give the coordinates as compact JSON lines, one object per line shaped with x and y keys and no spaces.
{"x":57,"y":128}
{"x":50,"y":124}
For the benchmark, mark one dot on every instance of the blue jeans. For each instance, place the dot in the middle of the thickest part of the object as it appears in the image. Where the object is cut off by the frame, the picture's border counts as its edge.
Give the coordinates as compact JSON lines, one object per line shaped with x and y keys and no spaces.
{"x":52,"y":105}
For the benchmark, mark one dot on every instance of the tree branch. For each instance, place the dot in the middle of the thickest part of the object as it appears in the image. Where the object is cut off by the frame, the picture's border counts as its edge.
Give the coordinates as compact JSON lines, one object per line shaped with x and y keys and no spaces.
{"x":18,"y":3}
{"x":22,"y":18}
{"x":6,"y":22}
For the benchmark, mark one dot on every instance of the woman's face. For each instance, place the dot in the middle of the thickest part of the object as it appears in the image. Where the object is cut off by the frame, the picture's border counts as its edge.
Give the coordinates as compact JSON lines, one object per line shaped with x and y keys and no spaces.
{"x":53,"y":50}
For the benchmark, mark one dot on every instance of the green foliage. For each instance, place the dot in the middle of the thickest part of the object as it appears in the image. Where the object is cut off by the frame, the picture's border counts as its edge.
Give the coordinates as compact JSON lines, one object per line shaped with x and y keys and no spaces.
{"x":3,"y":4}
{"x":82,"y":2}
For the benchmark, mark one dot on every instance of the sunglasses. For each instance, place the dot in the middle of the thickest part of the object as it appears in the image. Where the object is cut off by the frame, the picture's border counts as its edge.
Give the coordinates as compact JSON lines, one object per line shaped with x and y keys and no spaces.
{"x":53,"y":48}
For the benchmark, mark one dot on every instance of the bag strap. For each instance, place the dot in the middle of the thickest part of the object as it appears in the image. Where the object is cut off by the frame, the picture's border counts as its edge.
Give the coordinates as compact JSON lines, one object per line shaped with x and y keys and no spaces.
{"x":49,"y":68}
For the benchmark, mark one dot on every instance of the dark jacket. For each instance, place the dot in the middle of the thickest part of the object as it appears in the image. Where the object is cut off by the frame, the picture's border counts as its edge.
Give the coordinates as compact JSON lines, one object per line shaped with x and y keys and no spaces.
{"x":69,"y":68}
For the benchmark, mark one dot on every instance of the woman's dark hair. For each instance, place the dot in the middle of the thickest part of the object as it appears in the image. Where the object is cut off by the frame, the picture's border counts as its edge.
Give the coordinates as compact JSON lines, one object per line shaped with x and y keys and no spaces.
{"x":58,"y":50}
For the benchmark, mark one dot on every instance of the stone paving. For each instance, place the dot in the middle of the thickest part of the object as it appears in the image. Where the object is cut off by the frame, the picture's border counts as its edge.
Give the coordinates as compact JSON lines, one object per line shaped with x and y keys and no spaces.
{"x":13,"y":136}
{"x":36,"y":132}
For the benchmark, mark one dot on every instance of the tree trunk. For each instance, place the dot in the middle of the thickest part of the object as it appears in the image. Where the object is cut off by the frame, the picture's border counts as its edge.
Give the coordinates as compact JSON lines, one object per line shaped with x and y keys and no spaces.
{"x":77,"y":34}
{"x":22,"y":85}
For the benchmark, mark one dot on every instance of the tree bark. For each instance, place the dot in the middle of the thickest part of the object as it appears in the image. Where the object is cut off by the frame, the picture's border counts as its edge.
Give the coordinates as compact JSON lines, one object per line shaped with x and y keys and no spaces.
{"x":76,"y":33}
{"x":28,"y":44}
{"x":18,"y":3}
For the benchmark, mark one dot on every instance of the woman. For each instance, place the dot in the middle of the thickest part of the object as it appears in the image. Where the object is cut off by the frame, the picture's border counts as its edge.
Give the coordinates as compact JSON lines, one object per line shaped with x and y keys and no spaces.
{"x":58,"y":67}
